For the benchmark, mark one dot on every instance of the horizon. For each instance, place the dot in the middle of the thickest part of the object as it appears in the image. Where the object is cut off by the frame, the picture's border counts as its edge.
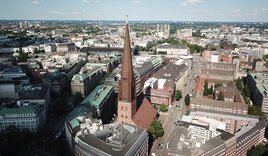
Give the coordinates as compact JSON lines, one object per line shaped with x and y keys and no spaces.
{"x":138,"y":10}
{"x":131,"y":21}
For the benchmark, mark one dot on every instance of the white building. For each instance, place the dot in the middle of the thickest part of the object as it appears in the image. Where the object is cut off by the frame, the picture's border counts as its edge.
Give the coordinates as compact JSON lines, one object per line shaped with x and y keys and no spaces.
{"x":184,"y":33}
{"x":171,"y":49}
{"x":214,"y":57}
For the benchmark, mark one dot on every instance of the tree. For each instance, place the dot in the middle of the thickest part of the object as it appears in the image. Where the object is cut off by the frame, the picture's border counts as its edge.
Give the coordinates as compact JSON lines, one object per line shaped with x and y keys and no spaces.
{"x":213,"y":49}
{"x":187,"y":99}
{"x":218,"y":84}
{"x":163,"y":108}
{"x":211,"y":90}
{"x":220,"y":96}
{"x":156,"y":129}
{"x":178,"y":95}
{"x":258,"y":150}
{"x":239,"y":84}
{"x":206,"y":85}
{"x":246,"y":91}
{"x":23,"y":57}
{"x":256,"y":110}
{"x":206,"y":91}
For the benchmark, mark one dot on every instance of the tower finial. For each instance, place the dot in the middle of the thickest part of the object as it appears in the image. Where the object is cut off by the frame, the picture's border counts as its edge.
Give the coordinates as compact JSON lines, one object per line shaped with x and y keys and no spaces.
{"x":126,"y":19}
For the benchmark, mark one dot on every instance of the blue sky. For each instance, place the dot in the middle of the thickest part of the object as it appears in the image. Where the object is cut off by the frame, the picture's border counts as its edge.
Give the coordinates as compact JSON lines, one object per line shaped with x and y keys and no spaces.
{"x":149,"y":10}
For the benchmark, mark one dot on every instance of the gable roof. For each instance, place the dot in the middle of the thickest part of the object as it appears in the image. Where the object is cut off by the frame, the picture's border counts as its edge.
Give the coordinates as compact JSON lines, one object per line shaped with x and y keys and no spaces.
{"x":145,"y":115}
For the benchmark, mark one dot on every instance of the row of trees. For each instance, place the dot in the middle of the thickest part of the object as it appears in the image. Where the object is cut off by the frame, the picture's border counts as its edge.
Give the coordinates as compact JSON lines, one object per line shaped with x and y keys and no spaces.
{"x":243,"y":89}
{"x":194,"y":48}
{"x":258,"y":150}
{"x":256,"y":110}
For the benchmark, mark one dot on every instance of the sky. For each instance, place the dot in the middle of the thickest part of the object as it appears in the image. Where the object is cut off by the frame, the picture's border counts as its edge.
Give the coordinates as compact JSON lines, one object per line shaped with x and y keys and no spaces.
{"x":141,"y":10}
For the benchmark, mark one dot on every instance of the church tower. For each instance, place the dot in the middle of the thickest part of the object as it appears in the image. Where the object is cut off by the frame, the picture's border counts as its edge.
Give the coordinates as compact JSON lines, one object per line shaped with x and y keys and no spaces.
{"x":127,"y":90}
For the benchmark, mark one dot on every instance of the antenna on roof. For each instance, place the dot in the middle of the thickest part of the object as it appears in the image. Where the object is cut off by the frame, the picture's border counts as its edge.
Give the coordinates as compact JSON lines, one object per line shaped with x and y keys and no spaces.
{"x":126,"y":19}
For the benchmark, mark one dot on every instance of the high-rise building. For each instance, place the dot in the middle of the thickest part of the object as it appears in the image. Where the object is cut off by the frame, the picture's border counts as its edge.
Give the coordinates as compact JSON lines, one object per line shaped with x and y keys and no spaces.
{"x":127,"y":101}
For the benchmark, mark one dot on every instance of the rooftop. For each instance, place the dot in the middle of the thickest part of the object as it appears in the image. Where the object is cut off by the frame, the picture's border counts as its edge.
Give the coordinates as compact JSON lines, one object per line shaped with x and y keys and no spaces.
{"x":112,"y":139}
{"x":217,"y":103}
{"x":170,"y":71}
{"x":261,"y":79}
{"x":86,"y":71}
{"x":29,"y":109}
{"x":96,"y":97}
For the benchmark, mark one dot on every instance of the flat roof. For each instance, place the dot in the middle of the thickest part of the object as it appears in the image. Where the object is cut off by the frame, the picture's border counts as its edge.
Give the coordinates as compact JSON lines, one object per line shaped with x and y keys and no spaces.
{"x":217,"y":103}
{"x":31,"y":109}
{"x":97,"y":96}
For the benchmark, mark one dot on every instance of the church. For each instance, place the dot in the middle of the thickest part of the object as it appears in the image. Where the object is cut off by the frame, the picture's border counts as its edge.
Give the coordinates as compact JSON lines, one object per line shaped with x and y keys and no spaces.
{"x":127,"y":99}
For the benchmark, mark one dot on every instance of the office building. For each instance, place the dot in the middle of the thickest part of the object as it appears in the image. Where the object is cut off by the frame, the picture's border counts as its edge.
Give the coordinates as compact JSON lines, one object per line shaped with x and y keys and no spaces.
{"x":66,"y":47}
{"x":102,"y":98}
{"x":87,"y":79}
{"x":223,"y":106}
{"x":258,"y":84}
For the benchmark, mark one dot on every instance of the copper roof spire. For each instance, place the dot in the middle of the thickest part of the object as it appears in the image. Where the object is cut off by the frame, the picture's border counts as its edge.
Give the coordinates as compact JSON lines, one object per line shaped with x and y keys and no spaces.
{"x":127,"y":91}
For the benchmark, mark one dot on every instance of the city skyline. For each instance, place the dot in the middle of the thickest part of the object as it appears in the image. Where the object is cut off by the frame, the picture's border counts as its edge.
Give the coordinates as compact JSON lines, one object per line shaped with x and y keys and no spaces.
{"x":138,"y":10}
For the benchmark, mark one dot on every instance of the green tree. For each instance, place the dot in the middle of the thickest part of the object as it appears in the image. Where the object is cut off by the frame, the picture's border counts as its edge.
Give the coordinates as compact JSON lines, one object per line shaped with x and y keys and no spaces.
{"x":211,"y":90}
{"x":206,"y":85}
{"x":23,"y":57}
{"x":220,"y":96}
{"x":163,"y":108}
{"x":218,"y":84}
{"x":246,"y":91}
{"x":213,"y":49}
{"x":239,"y":84}
{"x":156,"y":129}
{"x":178,"y":95}
{"x":206,"y":91}
{"x":187,"y":99}
{"x":258,"y":150}
{"x":256,"y":110}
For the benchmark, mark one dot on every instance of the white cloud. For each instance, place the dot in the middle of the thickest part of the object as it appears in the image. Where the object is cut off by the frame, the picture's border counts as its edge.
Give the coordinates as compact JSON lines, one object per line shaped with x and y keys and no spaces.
{"x":79,"y":12}
{"x":195,"y":10}
{"x":192,"y":2}
{"x":90,"y":1}
{"x":264,"y":9}
{"x":36,"y":1}
{"x":55,"y":12}
{"x":235,"y":11}
{"x":136,"y":1}
{"x":183,"y":3}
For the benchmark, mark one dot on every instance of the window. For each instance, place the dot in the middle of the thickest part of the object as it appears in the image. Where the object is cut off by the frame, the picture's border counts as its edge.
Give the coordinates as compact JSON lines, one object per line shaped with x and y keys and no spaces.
{"x":126,"y":108}
{"x":126,"y":117}
{"x":122,"y":107}
{"x":122,"y":116}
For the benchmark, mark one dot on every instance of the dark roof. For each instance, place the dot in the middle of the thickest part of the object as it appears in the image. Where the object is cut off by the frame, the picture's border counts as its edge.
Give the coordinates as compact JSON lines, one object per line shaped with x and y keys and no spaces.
{"x":224,"y":135}
{"x":170,"y":71}
{"x":36,"y":93}
{"x":145,"y":115}
{"x":100,"y":49}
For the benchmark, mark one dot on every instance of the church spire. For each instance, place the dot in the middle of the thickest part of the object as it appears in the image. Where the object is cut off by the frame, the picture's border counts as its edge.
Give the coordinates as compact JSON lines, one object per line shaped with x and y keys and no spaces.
{"x":127,"y":89}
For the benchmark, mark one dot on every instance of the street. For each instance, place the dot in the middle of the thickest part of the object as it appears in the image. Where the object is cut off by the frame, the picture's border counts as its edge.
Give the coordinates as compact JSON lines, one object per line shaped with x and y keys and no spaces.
{"x":175,"y":112}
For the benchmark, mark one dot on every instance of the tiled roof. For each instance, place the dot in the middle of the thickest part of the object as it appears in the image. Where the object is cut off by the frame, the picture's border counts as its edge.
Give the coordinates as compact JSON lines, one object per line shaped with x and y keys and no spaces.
{"x":145,"y":115}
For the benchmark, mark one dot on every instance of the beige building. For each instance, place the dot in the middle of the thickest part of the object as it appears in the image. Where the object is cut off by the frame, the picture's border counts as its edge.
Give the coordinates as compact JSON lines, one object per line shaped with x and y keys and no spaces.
{"x":87,"y":79}
{"x":216,"y":105}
